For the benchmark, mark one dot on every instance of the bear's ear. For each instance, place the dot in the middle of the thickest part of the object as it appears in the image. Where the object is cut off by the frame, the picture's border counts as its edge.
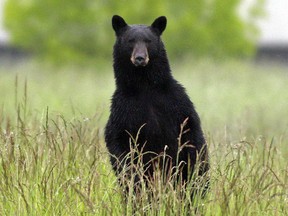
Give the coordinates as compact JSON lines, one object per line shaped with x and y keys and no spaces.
{"x":118,"y":23}
{"x":159,"y":24}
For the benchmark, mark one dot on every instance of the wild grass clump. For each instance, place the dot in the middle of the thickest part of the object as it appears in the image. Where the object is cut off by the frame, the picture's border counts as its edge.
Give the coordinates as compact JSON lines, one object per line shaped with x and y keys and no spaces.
{"x":251,"y":179}
{"x":50,"y":165}
{"x":164,"y":191}
{"x":55,"y":166}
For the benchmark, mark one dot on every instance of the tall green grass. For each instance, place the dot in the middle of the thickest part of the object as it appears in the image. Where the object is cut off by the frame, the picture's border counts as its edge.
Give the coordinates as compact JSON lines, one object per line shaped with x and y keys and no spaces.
{"x":53,"y":159}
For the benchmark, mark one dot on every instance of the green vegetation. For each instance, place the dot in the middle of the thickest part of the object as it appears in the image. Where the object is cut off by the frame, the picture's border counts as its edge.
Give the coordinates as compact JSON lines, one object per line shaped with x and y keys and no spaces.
{"x":74,"y":31}
{"x":53,"y":159}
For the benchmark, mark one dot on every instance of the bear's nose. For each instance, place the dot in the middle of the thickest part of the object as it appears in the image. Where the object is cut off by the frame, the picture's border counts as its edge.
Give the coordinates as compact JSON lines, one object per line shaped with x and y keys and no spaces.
{"x":139,"y":60}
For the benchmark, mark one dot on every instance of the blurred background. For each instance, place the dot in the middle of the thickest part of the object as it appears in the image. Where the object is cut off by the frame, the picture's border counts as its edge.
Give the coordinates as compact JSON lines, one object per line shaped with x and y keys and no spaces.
{"x":80,"y":31}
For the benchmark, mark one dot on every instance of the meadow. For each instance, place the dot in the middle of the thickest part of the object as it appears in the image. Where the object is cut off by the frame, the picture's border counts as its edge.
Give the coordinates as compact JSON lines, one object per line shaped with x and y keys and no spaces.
{"x":53,"y":159}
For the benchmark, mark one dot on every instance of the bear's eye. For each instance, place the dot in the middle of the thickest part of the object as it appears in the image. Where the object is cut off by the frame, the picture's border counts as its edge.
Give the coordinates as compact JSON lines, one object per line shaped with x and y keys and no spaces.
{"x":147,"y":41}
{"x":131,"y":40}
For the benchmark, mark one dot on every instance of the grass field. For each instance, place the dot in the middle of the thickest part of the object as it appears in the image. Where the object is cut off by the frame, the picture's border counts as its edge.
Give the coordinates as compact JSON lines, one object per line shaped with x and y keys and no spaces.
{"x":53,"y":159}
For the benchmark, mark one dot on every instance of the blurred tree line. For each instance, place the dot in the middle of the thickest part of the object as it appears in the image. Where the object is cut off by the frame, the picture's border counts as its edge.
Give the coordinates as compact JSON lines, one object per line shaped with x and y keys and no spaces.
{"x":77,"y":30}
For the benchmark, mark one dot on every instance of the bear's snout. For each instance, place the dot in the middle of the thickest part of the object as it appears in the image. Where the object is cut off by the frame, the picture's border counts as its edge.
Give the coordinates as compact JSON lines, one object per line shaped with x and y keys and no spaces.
{"x":140,"y":55}
{"x":139,"y":60}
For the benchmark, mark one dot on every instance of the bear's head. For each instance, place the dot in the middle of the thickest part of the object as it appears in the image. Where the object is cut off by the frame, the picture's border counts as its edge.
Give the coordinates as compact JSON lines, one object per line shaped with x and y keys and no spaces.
{"x":138,"y":44}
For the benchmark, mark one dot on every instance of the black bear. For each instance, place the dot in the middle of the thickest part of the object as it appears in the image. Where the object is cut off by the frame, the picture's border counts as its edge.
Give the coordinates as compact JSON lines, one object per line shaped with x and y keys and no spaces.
{"x":148,"y":97}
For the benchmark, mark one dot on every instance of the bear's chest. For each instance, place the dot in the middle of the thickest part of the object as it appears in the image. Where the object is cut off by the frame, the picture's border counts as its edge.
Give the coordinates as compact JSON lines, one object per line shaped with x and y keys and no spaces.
{"x":155,"y":114}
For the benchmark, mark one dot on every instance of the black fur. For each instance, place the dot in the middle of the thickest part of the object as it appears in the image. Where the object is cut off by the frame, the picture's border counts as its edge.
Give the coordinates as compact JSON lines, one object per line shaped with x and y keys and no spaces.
{"x":149,"y":96}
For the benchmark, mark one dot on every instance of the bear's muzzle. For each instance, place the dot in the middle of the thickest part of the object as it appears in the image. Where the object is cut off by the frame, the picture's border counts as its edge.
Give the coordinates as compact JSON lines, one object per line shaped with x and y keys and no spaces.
{"x":140,"y":55}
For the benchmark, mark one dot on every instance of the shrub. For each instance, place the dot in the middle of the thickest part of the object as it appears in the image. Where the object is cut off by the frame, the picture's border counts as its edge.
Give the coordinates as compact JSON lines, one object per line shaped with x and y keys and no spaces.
{"x":79,"y":30}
